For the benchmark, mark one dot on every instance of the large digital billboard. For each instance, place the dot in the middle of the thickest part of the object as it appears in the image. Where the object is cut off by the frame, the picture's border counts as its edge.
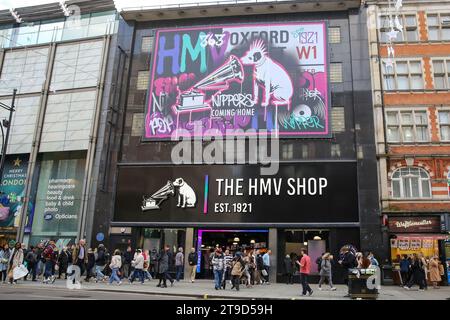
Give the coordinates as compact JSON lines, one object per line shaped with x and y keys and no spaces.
{"x":239,"y":80}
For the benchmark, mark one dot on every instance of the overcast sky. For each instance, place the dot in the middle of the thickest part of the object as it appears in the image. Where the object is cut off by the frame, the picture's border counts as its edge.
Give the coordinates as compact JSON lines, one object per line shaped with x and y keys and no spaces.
{"x":6,"y":4}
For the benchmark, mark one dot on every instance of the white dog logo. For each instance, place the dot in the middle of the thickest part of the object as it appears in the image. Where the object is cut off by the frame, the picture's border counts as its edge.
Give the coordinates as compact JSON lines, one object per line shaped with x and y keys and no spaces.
{"x":270,"y":75}
{"x":186,"y":195}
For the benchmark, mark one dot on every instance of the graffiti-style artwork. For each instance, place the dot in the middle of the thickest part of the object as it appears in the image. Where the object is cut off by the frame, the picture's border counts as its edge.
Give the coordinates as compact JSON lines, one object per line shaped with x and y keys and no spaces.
{"x":239,"y":80}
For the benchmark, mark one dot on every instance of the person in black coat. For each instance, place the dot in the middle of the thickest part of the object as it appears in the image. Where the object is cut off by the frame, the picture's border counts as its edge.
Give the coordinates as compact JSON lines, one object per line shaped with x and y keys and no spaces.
{"x":289,"y":269}
{"x":90,"y":264}
{"x":63,"y":263}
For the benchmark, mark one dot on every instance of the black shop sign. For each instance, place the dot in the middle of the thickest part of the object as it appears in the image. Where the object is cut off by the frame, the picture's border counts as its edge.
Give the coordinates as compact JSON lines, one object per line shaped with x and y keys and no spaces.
{"x":299,"y":193}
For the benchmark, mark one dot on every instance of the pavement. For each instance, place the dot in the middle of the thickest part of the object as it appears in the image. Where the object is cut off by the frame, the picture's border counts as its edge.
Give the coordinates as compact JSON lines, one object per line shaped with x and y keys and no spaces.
{"x":204,"y":289}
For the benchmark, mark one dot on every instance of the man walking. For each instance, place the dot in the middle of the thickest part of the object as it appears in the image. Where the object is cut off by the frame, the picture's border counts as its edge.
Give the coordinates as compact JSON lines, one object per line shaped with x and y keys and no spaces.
{"x":80,"y":257}
{"x":138,"y":263}
{"x":305,"y":269}
{"x":192,"y":261}
{"x":266,"y":264}
{"x":127,"y":258}
{"x":179,"y":263}
{"x":50,"y":257}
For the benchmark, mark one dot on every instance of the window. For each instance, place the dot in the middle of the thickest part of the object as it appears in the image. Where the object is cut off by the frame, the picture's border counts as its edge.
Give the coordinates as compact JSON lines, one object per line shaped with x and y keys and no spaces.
{"x":337,"y":119}
{"x":335,"y":150}
{"x":147,"y":44}
{"x":407,"y":126}
{"x":409,"y":23}
{"x":288,"y":151}
{"x":441,"y":70}
{"x":438,"y":26}
{"x":404,"y":75}
{"x":444,"y":125}
{"x":411,"y":183}
{"x":142,"y":80}
{"x":335,"y":72}
{"x":137,"y":126}
{"x":334,"y":35}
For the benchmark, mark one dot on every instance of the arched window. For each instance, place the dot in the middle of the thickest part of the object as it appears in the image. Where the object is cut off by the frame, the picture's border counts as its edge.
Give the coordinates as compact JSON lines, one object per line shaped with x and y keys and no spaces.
{"x":411,"y":183}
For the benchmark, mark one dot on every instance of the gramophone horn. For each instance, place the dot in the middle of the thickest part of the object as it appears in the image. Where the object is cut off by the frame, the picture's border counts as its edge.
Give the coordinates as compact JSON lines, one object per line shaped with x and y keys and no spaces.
{"x":231,"y":70}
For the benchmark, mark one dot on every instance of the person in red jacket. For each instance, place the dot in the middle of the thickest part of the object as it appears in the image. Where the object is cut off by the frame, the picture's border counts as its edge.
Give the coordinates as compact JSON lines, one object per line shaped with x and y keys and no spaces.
{"x":305,"y":270}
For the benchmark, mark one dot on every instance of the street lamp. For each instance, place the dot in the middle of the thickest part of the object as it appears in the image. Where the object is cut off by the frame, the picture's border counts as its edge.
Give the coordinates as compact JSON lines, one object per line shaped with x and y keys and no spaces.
{"x":6,"y":124}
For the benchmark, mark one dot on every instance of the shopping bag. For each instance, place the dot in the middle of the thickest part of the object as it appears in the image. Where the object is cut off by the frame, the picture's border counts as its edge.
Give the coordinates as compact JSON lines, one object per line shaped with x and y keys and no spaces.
{"x":20,"y":272}
{"x":264,"y":272}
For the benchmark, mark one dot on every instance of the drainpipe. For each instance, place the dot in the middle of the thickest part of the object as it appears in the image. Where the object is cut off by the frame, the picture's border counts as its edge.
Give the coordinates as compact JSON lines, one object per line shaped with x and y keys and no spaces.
{"x":81,"y":234}
{"x":36,"y":143}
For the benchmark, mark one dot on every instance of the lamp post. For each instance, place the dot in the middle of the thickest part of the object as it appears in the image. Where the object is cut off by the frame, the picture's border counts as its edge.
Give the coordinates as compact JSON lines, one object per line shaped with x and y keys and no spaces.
{"x":7,"y":125}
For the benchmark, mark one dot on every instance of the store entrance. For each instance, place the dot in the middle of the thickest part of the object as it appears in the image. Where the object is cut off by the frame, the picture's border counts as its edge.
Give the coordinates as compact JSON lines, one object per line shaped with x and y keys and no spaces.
{"x":233,"y":240}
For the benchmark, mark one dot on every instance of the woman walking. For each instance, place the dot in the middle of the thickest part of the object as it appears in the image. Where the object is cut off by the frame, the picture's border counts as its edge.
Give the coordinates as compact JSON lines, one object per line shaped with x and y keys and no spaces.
{"x":15,"y":260}
{"x":237,"y":271}
{"x":435,"y":273}
{"x":115,"y":265}
{"x":5,"y":253}
{"x":418,"y":273}
{"x":326,"y":270}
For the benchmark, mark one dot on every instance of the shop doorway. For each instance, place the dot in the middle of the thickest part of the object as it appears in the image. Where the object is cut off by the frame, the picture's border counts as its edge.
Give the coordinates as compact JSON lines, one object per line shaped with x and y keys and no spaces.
{"x":233,"y":240}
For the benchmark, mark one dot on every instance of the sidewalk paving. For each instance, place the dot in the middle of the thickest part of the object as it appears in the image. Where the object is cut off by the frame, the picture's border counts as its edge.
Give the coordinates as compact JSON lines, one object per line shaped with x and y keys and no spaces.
{"x":205,"y":289}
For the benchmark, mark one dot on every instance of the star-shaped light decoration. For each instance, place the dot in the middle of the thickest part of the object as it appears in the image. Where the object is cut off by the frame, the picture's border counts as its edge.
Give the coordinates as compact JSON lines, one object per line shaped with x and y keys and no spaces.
{"x":17,"y":162}
{"x":398,"y":4}
{"x":392,"y":35}
{"x":388,"y":63}
{"x":398,"y":25}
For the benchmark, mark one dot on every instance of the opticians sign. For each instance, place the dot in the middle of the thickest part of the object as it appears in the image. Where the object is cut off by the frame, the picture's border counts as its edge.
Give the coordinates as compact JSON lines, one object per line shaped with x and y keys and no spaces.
{"x":301,"y":193}
{"x":238,"y":79}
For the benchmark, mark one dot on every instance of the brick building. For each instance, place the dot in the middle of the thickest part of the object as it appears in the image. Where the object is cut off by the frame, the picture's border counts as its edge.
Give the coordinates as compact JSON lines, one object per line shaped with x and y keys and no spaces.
{"x":411,"y":92}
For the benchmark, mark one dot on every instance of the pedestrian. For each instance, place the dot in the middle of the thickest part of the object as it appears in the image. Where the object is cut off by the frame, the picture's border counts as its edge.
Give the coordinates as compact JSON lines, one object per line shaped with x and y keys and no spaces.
{"x":147,"y":274}
{"x":5,"y":253}
{"x":50,"y":257}
{"x":15,"y":260}
{"x":80,"y":257}
{"x":266,"y":262}
{"x":347,"y":259}
{"x":163,"y":267}
{"x":100,"y":263}
{"x":90,"y":264}
{"x":418,"y":273}
{"x":138,"y":264}
{"x":40,"y":260}
{"x":179,"y":263}
{"x":288,"y":269}
{"x":405,"y":266}
{"x":424,"y":264}
{"x":63,"y":262}
{"x":259,"y":267}
{"x":128,"y":257}
{"x":247,"y":269}
{"x":192,"y":262}
{"x":237,"y":271}
{"x":218,"y":267}
{"x":153,"y":262}
{"x":115,"y":265}
{"x":326,"y":271}
{"x":373,"y":260}
{"x":435,"y":272}
{"x":305,"y":270}
{"x":319,"y":261}
{"x":228,"y":266}
{"x":31,"y":259}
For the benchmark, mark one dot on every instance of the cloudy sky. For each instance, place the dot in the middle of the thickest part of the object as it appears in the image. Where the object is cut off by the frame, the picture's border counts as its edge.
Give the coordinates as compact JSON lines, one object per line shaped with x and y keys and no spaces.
{"x":6,"y":4}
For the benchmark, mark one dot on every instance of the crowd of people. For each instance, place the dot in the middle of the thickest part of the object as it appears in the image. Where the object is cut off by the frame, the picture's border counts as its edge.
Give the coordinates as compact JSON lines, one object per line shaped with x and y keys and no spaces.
{"x":247,"y":266}
{"x":416,"y":269}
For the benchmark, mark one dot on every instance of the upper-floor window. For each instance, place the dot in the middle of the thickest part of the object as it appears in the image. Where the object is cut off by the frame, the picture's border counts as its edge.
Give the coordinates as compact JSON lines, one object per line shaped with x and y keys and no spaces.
{"x":334,"y":35}
{"x":441,"y":71}
{"x":408,"y":21}
{"x":403,"y":75}
{"x":444,"y":125}
{"x":410,"y":183}
{"x":438,"y":26}
{"x":407,"y":126}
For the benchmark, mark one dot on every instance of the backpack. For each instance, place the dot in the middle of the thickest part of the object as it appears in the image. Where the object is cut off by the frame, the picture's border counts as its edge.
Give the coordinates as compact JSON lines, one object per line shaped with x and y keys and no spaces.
{"x":319,"y":263}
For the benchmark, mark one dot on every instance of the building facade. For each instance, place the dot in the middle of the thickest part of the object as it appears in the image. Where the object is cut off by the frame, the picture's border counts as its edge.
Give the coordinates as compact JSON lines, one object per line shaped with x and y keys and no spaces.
{"x":410,"y":46}
{"x":58,"y":64}
{"x":325,"y":193}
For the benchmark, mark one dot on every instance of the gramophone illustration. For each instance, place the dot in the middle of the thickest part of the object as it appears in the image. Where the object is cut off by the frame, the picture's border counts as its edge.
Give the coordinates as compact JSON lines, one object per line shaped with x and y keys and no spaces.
{"x":186,"y":195}
{"x":220,"y":79}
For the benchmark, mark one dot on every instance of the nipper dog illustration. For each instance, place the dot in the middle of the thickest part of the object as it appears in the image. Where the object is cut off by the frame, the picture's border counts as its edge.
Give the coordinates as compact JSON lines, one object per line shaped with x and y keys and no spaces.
{"x":186,"y":195}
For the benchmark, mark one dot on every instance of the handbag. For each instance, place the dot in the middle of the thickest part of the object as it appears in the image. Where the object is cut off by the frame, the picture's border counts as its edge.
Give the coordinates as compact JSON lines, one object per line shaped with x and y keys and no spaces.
{"x":19,"y":272}
{"x":56,"y":267}
{"x":264,"y":272}
{"x":441,"y":269}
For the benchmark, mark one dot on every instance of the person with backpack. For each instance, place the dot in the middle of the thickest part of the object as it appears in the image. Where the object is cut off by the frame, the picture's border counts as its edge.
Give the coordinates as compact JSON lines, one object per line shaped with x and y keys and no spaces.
{"x":100,"y":263}
{"x":319,"y":261}
{"x":50,"y":257}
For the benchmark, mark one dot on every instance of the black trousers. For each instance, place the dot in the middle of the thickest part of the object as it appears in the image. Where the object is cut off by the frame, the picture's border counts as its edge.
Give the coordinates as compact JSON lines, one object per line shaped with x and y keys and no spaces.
{"x":305,"y":286}
{"x":236,"y":280}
